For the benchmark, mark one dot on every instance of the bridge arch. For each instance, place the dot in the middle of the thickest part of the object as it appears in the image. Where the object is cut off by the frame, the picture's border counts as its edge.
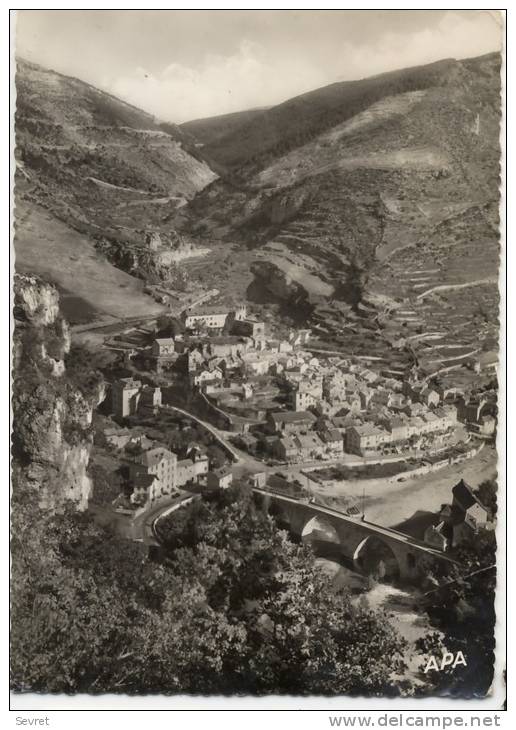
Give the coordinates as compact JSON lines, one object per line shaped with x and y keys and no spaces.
{"x":376,"y":557}
{"x":319,"y":528}
{"x":323,"y":537}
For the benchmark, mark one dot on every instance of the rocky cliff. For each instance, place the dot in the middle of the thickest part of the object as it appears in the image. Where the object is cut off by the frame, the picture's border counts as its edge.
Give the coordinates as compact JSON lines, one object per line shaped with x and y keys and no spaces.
{"x":52,"y":403}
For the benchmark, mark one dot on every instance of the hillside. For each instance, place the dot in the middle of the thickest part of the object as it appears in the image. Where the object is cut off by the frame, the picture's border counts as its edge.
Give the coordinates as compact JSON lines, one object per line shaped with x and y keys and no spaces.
{"x":298,"y":120}
{"x":343,"y":208}
{"x":67,"y":127}
{"x":368,"y":194}
{"x":92,"y":168}
{"x":209,"y":130}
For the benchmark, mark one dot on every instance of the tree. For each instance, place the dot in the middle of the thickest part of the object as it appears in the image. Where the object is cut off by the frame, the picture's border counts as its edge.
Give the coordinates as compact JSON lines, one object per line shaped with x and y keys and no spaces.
{"x":233,"y":606}
{"x":463,"y":610}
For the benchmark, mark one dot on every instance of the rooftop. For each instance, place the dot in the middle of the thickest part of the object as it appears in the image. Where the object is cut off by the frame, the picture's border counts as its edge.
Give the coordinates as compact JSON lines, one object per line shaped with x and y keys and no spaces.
{"x":293,"y":416}
{"x":332,"y":434}
{"x":155,"y":456}
{"x":165,"y":340}
{"x":367,"y":430}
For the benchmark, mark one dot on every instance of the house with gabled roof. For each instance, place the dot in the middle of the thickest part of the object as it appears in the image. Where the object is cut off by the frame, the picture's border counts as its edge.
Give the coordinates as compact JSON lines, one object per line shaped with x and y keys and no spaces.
{"x":290,"y":421}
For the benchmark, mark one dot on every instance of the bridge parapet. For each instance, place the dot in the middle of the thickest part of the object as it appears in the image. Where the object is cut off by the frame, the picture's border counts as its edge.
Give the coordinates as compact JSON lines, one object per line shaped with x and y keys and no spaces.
{"x":357,"y":539}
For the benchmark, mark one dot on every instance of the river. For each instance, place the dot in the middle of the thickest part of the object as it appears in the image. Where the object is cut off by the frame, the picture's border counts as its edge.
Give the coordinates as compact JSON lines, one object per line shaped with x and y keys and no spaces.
{"x":400,"y":605}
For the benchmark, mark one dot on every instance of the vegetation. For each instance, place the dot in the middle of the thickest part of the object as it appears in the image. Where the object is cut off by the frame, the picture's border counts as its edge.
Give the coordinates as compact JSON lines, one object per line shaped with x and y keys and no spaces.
{"x":463,"y":610}
{"x":297,"y":121}
{"x":234,"y":608}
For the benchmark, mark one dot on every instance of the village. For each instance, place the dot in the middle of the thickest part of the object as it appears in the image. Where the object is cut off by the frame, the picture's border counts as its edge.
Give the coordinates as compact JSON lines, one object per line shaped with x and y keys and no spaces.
{"x":212,"y":396}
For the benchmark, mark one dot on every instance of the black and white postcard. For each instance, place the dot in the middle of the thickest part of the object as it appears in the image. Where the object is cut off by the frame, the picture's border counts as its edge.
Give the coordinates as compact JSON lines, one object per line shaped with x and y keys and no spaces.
{"x":256,"y":354}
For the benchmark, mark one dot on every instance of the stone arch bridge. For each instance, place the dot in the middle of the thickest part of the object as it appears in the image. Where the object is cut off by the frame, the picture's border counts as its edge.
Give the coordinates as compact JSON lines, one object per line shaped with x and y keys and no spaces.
{"x":356,"y":540}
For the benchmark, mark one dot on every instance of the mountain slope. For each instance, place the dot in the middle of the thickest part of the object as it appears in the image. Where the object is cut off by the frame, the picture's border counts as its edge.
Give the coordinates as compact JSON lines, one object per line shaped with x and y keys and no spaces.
{"x":211,"y":129}
{"x":64,"y":125}
{"x":302,"y":118}
{"x":106,"y":171}
{"x":382,"y":173}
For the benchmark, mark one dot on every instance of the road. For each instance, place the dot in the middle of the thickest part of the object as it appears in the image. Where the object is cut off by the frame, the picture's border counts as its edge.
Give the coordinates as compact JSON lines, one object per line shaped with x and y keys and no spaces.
{"x":242,"y":460}
{"x":123,"y":322}
{"x":143,"y":526}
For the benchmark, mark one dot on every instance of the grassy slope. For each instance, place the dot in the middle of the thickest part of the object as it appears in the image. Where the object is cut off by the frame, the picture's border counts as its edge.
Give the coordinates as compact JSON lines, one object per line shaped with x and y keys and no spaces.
{"x":91,"y":167}
{"x":298,"y":120}
{"x":46,"y":246}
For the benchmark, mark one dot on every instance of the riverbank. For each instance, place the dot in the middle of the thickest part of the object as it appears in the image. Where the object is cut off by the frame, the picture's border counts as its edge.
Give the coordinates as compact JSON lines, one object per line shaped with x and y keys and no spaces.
{"x":401,"y":504}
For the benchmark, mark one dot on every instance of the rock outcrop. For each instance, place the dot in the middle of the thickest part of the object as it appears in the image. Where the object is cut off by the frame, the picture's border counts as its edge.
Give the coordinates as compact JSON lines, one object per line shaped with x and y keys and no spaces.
{"x":52,"y":409}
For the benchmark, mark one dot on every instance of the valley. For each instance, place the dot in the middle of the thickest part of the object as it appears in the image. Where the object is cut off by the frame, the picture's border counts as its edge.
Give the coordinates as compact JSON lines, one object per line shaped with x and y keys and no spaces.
{"x":365,"y":210}
{"x":253,"y":352}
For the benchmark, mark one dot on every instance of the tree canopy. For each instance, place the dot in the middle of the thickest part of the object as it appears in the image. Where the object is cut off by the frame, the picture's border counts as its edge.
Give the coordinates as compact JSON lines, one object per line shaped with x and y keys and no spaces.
{"x":232,"y":606}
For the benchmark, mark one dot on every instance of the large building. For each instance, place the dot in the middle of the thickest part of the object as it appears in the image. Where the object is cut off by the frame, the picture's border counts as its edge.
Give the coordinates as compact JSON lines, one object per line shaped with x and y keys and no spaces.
{"x":189,"y":470}
{"x":306,"y":393}
{"x":249,"y":327}
{"x":163,"y":347}
{"x":213,"y":317}
{"x":365,"y":439}
{"x":158,"y":462}
{"x":460,"y":521}
{"x":220,"y":478}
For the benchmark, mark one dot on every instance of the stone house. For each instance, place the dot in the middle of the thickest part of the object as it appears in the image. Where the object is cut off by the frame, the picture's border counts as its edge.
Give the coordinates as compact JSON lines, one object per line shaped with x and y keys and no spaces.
{"x":163,"y":347}
{"x":398,"y":428}
{"x":249,"y":328}
{"x":220,"y":478}
{"x":285,"y":448}
{"x":310,"y":445}
{"x":206,"y":376}
{"x":333,"y":440}
{"x":125,"y":394}
{"x":212,"y":317}
{"x":465,"y":516}
{"x":158,"y":462}
{"x":298,"y":338}
{"x":290,"y":421}
{"x":150,"y":400}
{"x":447,"y":416}
{"x":429,"y":397}
{"x":486,"y":426}
{"x":306,"y":394}
{"x":147,"y":488}
{"x":366,"y":439}
{"x":189,"y":470}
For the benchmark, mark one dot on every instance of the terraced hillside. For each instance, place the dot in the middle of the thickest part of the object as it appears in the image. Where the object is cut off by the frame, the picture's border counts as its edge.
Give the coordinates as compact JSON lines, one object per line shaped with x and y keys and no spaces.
{"x":393,"y":193}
